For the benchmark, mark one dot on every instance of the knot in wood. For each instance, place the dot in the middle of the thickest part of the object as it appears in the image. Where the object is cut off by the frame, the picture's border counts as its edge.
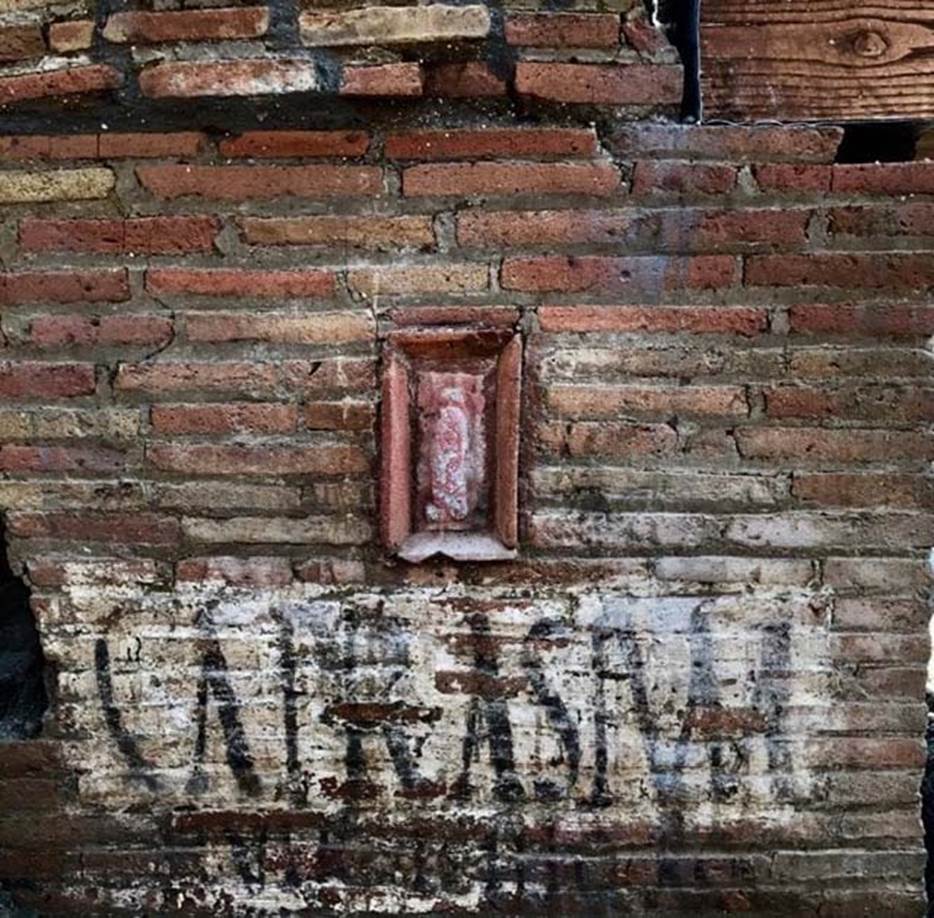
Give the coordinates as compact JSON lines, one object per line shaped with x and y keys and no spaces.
{"x":869,"y":43}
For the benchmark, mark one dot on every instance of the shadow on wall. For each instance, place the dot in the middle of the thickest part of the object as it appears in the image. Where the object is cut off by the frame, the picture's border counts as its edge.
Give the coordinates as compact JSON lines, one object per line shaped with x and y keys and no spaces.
{"x":681,"y":22}
{"x":23,"y":698}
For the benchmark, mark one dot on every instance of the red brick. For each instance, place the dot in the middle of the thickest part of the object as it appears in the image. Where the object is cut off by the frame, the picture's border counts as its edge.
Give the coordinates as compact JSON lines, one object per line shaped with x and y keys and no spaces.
{"x":727,"y":143}
{"x":897,"y":320}
{"x":492,"y":143}
{"x":644,"y":37}
{"x":497,"y":229}
{"x":141,"y":235}
{"x":241,"y":183}
{"x":465,"y":80}
{"x":739,"y":228}
{"x":76,"y":35}
{"x":21,"y":41}
{"x":600,"y":84}
{"x":853,"y":752}
{"x":29,"y":379}
{"x":224,"y":418}
{"x":888,"y":402}
{"x":61,"y":287}
{"x":141,"y":28}
{"x":678,"y":230}
{"x":100,"y":572}
{"x":307,"y":328}
{"x":607,"y":439}
{"x":30,"y":758}
{"x":872,"y":360}
{"x":909,"y":219}
{"x":613,"y":401}
{"x":137,"y":528}
{"x":179,"y":143}
{"x":396,"y":467}
{"x":383,"y":80}
{"x":60,"y":331}
{"x":853,"y":490}
{"x":330,"y":571}
{"x":816,"y":444}
{"x":269,"y":144}
{"x":455,"y":315}
{"x":563,"y":30}
{"x":342,"y":232}
{"x":740,"y":320}
{"x":801,"y":179}
{"x":66,"y":82}
{"x":207,"y":459}
{"x":191,"y":79}
{"x":78,"y":286}
{"x":599,"y":179}
{"x":683,"y":178}
{"x":44,"y":146}
{"x":235,"y":283}
{"x":869,"y":614}
{"x":339,"y":416}
{"x":414,"y":280}
{"x":900,"y":271}
{"x":646,"y":275}
{"x":244,"y":572}
{"x":903,"y":682}
{"x":32,"y":795}
{"x":18,"y":459}
{"x":196,"y":376}
{"x":340,"y":374}
{"x":885,"y":178}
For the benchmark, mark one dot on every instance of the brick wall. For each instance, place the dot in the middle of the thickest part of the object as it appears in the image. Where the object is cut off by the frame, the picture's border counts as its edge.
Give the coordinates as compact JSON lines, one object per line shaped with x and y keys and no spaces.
{"x":699,"y":687}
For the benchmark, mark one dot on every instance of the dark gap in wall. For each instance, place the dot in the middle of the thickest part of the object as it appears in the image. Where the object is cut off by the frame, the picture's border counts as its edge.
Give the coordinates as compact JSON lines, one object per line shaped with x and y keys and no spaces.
{"x":879,"y":142}
{"x":681,"y":19}
{"x":23,"y":696}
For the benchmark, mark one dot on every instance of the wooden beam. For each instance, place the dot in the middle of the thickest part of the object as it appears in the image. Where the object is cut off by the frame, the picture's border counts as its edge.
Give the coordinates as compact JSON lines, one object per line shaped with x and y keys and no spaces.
{"x":809,"y":60}
{"x":925,"y":146}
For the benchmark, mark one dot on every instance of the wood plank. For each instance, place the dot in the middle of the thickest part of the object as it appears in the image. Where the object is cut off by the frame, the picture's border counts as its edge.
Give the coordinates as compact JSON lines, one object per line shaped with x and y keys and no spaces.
{"x":807,"y":60}
{"x":925,"y":146}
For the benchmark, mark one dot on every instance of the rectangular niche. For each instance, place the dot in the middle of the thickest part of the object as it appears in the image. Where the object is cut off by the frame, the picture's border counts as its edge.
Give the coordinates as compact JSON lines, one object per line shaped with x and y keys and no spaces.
{"x":450,"y":443}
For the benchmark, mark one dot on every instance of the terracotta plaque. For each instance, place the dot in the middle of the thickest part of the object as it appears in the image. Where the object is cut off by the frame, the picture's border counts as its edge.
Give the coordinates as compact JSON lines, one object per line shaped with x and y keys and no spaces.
{"x":450,"y":443}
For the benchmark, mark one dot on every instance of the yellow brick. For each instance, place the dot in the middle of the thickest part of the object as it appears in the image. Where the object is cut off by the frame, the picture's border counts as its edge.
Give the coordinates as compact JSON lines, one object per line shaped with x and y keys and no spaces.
{"x":61,"y":185}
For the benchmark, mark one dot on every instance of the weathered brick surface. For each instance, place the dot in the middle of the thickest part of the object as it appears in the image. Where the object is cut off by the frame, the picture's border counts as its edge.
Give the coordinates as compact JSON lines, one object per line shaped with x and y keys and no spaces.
{"x":68,"y":81}
{"x":188,"y":79}
{"x":364,"y":232}
{"x":372,"y":25}
{"x":563,"y":30}
{"x":219,"y":282}
{"x":698,"y":689}
{"x":443,"y":179}
{"x":190,"y":25}
{"x":491,"y":144}
{"x":19,"y":42}
{"x":89,"y":285}
{"x":61,"y":185}
{"x":466,"y":80}
{"x":296,"y":143}
{"x":71,"y":36}
{"x":142,"y":235}
{"x":242,"y":183}
{"x":599,"y":84}
{"x":383,"y":80}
